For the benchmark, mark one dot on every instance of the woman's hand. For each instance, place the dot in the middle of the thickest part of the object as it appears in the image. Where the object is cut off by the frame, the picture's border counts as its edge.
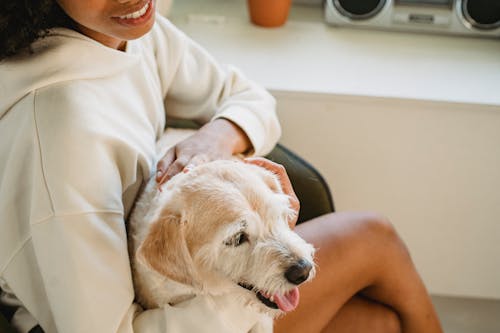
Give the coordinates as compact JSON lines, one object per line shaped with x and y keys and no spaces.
{"x":286,"y":185}
{"x":219,"y":139}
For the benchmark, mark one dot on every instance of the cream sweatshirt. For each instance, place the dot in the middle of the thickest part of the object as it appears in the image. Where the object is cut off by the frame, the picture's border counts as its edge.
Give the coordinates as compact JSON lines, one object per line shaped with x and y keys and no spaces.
{"x":78,"y":127}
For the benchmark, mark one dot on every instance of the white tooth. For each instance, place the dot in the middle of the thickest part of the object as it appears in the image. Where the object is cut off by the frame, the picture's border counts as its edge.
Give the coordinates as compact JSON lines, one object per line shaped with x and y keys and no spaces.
{"x":271,"y":298}
{"x":136,"y":14}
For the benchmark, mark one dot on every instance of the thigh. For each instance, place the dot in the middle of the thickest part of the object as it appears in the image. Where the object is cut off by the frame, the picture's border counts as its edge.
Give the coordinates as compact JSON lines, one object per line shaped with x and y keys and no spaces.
{"x":346,"y":244}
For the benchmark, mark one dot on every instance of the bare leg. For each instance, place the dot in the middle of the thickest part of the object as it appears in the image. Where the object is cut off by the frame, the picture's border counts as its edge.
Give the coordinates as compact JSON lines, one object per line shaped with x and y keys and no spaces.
{"x":359,"y":254}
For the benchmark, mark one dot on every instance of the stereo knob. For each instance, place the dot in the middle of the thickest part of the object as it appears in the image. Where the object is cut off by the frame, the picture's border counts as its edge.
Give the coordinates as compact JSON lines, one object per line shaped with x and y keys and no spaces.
{"x":482,"y":14}
{"x":359,"y":9}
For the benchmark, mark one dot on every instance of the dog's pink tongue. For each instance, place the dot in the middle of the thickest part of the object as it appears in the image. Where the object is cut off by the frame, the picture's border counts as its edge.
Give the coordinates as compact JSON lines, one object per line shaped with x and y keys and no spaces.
{"x":288,"y":301}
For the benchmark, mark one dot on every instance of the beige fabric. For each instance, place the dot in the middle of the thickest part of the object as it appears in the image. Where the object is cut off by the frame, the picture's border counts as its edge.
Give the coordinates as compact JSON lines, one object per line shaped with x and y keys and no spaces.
{"x":78,"y":126}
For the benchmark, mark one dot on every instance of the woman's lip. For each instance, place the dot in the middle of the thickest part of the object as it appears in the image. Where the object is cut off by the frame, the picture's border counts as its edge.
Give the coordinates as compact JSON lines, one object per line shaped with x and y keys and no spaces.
{"x":139,"y":20}
{"x":136,"y":8}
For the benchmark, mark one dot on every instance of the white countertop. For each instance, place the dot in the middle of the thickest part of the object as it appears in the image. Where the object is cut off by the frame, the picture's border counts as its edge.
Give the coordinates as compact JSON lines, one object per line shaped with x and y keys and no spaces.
{"x":307,"y":55}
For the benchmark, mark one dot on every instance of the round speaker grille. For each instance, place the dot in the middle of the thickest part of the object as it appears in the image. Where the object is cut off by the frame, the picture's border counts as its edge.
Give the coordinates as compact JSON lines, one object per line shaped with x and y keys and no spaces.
{"x":482,"y":14}
{"x":359,"y":9}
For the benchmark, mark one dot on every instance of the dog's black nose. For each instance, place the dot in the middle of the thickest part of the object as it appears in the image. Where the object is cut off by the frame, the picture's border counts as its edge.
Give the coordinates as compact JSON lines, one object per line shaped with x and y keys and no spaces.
{"x":298,"y":272}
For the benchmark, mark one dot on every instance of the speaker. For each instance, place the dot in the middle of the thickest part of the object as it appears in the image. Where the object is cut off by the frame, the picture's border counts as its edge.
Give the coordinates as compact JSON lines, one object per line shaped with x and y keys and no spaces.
{"x":479,"y":18}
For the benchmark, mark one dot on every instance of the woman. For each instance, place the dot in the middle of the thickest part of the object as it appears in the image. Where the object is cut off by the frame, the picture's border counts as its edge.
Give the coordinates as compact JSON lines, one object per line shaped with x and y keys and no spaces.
{"x":80,"y":112}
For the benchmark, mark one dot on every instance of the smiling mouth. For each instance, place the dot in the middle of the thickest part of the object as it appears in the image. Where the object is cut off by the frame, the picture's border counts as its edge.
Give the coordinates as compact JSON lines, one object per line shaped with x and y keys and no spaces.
{"x":138,"y":13}
{"x":284,"y":302}
{"x":266,"y":301}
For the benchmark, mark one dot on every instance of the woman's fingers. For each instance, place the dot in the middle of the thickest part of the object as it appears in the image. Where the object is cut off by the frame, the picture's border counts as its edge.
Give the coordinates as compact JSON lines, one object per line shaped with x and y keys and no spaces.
{"x":163,"y":165}
{"x":277,"y":169}
{"x":286,"y":185}
{"x":215,"y":140}
{"x":197,"y":160}
{"x":186,"y":163}
{"x":173,"y":163}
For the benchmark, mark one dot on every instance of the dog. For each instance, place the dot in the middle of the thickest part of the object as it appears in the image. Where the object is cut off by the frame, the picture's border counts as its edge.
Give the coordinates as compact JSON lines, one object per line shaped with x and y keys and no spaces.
{"x":220,"y":228}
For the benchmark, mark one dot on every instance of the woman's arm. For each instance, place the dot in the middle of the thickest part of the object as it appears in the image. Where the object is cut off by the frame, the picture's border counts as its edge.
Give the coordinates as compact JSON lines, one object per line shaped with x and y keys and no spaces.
{"x":218,"y":139}
{"x":196,"y":87}
{"x":71,"y":178}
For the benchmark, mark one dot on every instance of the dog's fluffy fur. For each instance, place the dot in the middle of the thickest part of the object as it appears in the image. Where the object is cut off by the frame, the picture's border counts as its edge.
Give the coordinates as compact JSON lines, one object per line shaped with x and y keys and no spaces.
{"x":219,"y":228}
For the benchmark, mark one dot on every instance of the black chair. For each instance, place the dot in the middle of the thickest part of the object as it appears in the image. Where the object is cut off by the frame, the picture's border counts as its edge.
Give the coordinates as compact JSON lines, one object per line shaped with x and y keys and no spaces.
{"x":5,"y":314}
{"x":310,"y":187}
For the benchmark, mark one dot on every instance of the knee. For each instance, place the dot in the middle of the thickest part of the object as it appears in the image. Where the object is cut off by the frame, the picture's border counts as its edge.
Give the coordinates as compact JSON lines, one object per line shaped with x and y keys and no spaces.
{"x":380,"y":232}
{"x":364,"y":226}
{"x":379,"y":227}
{"x":377,"y":223}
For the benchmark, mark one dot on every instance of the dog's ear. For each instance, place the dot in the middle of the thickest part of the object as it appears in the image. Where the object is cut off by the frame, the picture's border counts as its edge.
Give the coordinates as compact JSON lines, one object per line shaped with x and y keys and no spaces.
{"x":165,"y":250}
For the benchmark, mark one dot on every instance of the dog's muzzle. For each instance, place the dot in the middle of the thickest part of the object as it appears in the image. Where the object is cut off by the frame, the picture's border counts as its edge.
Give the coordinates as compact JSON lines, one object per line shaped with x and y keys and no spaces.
{"x":295,"y":274}
{"x":267,"y":302}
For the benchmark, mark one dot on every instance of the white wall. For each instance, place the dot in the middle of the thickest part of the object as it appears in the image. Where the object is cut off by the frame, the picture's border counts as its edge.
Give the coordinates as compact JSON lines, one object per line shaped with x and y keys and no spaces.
{"x":433,"y":168}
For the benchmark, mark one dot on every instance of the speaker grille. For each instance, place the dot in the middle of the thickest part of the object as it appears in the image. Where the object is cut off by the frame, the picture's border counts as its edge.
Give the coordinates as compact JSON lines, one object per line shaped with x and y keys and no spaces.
{"x":359,"y":9}
{"x":482,"y":14}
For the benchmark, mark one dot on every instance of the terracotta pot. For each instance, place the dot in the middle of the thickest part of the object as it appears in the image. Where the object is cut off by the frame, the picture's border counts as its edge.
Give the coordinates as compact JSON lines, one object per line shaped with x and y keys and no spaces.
{"x":269,"y":13}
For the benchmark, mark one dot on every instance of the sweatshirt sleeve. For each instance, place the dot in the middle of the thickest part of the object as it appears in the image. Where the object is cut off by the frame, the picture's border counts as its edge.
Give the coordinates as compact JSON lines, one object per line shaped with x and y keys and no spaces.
{"x":77,"y":244}
{"x":196,"y":87}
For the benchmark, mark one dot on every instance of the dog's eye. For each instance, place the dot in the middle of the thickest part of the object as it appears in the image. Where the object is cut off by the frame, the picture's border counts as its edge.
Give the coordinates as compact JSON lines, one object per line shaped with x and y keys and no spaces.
{"x":238,"y":239}
{"x":241,"y":238}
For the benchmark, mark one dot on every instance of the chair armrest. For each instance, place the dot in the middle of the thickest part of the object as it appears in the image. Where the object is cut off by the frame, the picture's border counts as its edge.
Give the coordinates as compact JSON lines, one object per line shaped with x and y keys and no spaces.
{"x":310,"y":187}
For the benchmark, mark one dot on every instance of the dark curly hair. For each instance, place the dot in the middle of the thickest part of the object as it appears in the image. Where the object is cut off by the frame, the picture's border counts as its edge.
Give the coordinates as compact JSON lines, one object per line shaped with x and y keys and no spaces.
{"x":24,"y":21}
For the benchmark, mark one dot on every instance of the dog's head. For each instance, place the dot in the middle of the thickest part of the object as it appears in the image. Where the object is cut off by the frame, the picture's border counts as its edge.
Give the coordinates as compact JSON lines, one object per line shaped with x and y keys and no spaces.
{"x":223,"y":228}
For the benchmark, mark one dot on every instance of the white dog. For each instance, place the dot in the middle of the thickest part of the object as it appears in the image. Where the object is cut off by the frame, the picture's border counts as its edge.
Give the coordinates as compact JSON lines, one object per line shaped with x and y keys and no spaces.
{"x":220,"y":228}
